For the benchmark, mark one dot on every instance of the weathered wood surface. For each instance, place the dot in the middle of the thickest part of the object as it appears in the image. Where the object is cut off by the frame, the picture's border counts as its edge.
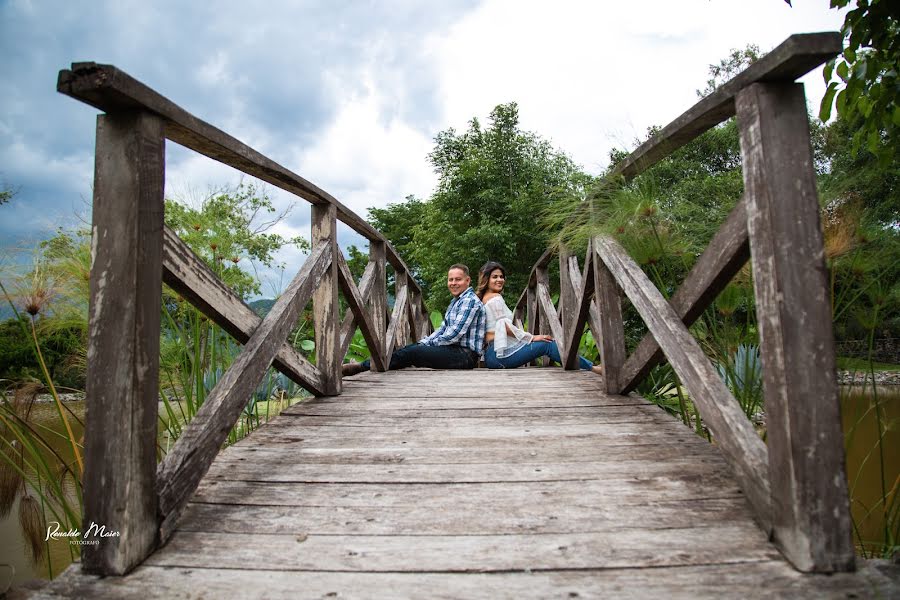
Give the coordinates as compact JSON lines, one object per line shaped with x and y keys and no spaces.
{"x":494,"y":495}
{"x":123,"y":339}
{"x":611,"y":332}
{"x":549,"y":316}
{"x":810,"y":506}
{"x":190,"y":277}
{"x":720,"y":411}
{"x":793,"y":58}
{"x":181,"y":470}
{"x":726,"y":253}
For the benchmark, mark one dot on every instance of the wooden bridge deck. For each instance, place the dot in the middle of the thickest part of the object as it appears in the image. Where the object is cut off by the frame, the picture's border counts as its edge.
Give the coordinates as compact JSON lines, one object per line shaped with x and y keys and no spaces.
{"x":476,"y":484}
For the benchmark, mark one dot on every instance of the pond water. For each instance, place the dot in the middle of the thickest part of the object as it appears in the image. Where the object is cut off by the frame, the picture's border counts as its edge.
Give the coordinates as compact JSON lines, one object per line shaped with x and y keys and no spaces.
{"x":871,"y":474}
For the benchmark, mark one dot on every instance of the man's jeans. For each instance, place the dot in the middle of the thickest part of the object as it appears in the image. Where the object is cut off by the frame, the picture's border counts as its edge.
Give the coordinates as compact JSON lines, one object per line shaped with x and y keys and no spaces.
{"x":433,"y":357}
{"x":526,"y":354}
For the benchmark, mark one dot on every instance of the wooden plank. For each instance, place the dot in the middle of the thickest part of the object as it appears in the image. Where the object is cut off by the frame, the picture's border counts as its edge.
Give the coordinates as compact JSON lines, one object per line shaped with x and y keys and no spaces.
{"x":379,"y":297}
{"x":611,"y":331}
{"x":348,"y":326}
{"x":326,"y":315}
{"x":186,"y":463}
{"x":726,"y":253}
{"x":576,"y":450}
{"x":756,"y":579}
{"x":356,"y":304}
{"x":109,"y":89}
{"x":190,"y":277}
{"x":635,"y":548}
{"x":288,"y":470}
{"x":576,"y":277}
{"x":584,"y":297}
{"x":488,"y":519}
{"x":393,"y":330}
{"x":793,"y":58}
{"x":810,"y":506}
{"x":567,"y":303}
{"x":548,"y":311}
{"x":720,"y":411}
{"x":123,"y":341}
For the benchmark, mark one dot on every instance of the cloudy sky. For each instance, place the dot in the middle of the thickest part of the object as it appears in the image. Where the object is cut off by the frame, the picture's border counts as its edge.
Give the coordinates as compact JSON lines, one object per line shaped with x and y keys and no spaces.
{"x":350,"y":93}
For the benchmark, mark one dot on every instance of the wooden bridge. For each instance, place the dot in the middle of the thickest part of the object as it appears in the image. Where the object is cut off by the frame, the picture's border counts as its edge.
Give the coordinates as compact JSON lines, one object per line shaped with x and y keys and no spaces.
{"x":538,"y":482}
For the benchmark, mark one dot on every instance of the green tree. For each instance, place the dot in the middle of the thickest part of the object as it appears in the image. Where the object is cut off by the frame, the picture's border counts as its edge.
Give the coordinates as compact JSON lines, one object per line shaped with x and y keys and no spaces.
{"x":230,"y":228}
{"x":867,"y":89}
{"x":493,"y":184}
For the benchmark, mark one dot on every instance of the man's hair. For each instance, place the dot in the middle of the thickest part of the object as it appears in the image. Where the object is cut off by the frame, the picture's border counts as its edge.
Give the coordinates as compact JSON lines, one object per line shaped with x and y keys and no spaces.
{"x":461,"y":267}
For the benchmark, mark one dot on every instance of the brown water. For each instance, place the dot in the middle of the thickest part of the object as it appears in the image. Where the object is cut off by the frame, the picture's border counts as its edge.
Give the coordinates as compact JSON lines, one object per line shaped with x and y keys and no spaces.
{"x":864,"y":468}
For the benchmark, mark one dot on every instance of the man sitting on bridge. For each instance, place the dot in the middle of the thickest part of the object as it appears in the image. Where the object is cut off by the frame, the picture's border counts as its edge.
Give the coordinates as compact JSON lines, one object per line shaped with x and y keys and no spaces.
{"x":457,"y":343}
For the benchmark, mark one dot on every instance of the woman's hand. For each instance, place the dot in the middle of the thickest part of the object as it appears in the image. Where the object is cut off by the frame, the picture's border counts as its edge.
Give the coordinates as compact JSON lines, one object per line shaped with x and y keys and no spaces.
{"x":541,"y":338}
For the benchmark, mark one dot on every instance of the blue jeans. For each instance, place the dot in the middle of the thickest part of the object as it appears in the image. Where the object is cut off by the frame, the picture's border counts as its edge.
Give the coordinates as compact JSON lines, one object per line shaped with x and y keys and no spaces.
{"x":526,"y":354}
{"x":433,"y":357}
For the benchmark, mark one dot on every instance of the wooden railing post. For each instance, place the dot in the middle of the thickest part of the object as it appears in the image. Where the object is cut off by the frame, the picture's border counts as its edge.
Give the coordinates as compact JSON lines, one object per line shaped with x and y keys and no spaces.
{"x":568,"y":303}
{"x":326,"y":315}
{"x":532,"y":312}
{"x":123,"y":343}
{"x":612,"y":329}
{"x":378,"y":302}
{"x":810,"y":507}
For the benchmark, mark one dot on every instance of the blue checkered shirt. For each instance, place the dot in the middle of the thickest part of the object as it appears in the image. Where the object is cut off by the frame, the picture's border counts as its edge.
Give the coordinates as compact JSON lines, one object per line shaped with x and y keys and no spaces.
{"x":463,"y":324}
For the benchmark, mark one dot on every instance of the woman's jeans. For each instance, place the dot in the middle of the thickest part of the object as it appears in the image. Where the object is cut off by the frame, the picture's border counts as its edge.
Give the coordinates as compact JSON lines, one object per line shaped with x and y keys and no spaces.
{"x":526,"y":354}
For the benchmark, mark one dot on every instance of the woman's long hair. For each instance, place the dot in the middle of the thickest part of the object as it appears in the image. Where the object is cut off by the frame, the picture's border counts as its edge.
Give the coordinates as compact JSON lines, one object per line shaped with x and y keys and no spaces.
{"x":484,"y":277}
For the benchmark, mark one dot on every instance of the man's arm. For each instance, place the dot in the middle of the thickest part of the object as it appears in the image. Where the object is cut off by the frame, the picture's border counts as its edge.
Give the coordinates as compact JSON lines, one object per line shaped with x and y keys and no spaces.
{"x":457,"y":322}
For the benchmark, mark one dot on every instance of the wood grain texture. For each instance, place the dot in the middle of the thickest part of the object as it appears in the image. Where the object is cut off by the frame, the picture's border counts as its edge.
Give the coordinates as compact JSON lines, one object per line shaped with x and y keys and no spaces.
{"x":576,"y":276}
{"x":549,"y":317}
{"x":123,"y":340}
{"x":605,"y":496}
{"x":611,"y":330}
{"x":189,"y":276}
{"x":583,"y":292}
{"x":357,"y":305}
{"x":348,"y":325}
{"x":720,"y":411}
{"x":810,"y":504}
{"x":725,"y":255}
{"x":181,"y":470}
{"x":793,"y":58}
{"x":109,"y":89}
{"x":326,"y":315}
{"x":379,"y":298}
{"x":397,"y":316}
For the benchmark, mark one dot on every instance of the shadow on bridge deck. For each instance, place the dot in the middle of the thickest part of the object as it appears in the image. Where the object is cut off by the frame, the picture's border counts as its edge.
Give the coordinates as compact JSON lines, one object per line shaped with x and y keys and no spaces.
{"x":476,"y":484}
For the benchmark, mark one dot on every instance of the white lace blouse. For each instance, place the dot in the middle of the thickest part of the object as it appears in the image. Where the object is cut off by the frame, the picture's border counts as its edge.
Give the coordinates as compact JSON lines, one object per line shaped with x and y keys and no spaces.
{"x":499,"y":317}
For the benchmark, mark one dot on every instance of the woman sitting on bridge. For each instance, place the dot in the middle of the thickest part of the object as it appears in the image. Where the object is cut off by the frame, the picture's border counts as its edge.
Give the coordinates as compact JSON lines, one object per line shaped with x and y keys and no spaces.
{"x":507,"y":346}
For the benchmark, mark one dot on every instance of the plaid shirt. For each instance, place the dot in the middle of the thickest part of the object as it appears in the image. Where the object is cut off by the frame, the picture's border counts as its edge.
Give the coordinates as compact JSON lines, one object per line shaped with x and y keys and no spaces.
{"x":463,"y":324}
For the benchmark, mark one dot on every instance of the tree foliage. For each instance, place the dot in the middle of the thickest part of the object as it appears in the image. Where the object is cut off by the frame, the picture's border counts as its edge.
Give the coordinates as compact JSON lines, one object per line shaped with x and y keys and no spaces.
{"x":493,"y":183}
{"x":867,"y":89}
{"x":230,"y":228}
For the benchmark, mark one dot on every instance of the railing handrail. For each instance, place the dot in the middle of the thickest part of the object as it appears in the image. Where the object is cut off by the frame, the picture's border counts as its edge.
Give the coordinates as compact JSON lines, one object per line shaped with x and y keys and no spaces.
{"x":110,"y":89}
{"x":135,"y":253}
{"x":796,"y":484}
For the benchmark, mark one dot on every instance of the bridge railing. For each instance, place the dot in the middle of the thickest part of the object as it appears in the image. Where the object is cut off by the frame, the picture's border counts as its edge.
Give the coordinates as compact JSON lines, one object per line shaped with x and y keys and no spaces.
{"x":125,"y":491}
{"x":796,"y":482}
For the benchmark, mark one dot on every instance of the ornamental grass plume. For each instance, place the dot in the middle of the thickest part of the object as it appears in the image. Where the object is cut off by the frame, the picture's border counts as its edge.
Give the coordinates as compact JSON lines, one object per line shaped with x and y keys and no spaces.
{"x":10,"y":481}
{"x":31,"y":519}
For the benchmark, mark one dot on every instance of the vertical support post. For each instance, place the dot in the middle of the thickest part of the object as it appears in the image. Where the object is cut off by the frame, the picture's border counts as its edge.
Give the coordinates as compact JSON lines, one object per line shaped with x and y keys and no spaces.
{"x":568,"y":303}
{"x":612,"y":329}
{"x":543,"y":278}
{"x":378,"y":302}
{"x":532,"y":312}
{"x":123,"y":343}
{"x":326,"y":315}
{"x":810,"y":506}
{"x":401,"y":281}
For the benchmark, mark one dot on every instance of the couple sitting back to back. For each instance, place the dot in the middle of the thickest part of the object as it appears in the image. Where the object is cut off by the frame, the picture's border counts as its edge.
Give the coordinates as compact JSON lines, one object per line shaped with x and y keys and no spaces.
{"x":474,"y":323}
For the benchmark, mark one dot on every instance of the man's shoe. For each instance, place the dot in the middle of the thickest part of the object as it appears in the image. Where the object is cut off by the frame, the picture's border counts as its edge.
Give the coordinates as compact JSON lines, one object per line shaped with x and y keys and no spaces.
{"x":352,"y":368}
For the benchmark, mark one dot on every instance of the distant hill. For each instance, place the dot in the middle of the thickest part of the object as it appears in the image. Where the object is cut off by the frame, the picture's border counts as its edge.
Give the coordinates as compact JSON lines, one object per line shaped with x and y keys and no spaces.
{"x":262,"y":306}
